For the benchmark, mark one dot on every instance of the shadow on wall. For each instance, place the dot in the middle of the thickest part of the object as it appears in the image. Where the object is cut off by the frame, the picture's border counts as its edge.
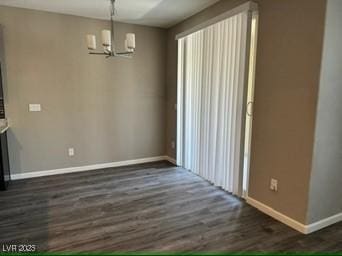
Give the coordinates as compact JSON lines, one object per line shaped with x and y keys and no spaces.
{"x":14,"y":150}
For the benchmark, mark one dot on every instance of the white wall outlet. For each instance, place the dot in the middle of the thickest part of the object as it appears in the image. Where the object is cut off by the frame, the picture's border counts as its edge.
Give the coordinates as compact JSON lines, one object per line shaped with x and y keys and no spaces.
{"x":274,"y":185}
{"x":173,"y":144}
{"x":71,"y":151}
{"x":35,"y":108}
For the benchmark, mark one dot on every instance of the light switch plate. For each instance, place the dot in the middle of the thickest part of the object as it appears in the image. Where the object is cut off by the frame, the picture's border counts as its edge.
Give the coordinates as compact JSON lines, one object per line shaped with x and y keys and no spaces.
{"x":35,"y":107}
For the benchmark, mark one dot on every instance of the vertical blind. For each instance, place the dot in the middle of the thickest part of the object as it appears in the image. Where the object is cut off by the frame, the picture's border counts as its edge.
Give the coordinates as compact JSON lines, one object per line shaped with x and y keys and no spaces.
{"x":211,"y":93}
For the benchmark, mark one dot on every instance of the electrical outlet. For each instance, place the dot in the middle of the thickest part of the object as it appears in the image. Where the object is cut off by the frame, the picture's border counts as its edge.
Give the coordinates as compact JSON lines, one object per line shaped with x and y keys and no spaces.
{"x":35,"y":108}
{"x":274,"y":185}
{"x":71,"y":151}
{"x":173,"y":144}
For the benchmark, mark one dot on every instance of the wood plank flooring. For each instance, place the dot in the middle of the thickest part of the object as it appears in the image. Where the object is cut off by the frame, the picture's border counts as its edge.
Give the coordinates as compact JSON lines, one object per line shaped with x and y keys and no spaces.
{"x":150,"y":207}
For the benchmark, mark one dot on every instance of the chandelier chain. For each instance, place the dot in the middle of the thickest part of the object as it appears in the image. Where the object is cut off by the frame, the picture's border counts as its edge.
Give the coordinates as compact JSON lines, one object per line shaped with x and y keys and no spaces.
{"x":113,"y":10}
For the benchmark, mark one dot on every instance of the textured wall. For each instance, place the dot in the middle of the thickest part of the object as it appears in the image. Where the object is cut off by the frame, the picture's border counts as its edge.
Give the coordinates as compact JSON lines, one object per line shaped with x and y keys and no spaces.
{"x":107,"y":109}
{"x":287,"y":78}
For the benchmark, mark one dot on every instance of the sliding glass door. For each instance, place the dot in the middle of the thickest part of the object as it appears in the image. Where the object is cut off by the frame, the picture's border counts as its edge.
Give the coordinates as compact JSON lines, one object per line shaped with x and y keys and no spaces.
{"x":213,"y":71}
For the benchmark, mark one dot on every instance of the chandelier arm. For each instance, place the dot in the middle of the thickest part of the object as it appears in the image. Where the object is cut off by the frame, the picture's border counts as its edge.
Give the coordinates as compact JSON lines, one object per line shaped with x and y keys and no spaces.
{"x":124,"y":53}
{"x":98,"y":53}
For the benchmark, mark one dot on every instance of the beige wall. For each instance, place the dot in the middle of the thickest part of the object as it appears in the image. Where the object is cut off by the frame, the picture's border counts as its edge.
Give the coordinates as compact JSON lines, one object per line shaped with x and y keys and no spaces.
{"x":112,"y":110}
{"x":325,"y":186}
{"x":287,"y":78}
{"x":107,"y":109}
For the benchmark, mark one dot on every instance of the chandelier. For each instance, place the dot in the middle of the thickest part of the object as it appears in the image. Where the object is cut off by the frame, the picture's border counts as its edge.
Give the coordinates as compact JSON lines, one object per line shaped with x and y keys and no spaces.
{"x":108,"y":40}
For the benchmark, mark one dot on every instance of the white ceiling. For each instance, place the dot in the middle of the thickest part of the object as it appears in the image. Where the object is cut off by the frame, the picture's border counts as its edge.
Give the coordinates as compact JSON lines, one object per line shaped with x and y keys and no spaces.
{"x":159,"y":13}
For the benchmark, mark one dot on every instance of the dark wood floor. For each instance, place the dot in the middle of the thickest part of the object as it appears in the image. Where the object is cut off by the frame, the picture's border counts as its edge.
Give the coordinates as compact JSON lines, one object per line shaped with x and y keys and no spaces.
{"x":152,"y":207}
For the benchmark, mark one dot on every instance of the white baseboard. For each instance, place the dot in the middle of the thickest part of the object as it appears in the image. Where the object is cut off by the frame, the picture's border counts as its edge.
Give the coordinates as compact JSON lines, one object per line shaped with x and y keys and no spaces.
{"x":277,"y":215}
{"x":324,"y":223}
{"x":171,"y":160}
{"x":28,"y":175}
{"x":305,"y":229}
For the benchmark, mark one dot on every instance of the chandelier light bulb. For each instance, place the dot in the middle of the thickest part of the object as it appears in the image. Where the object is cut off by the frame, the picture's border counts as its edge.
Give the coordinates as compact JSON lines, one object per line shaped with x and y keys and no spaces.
{"x":106,"y":38}
{"x":127,"y":48}
{"x":130,"y":37}
{"x":91,"y":42}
